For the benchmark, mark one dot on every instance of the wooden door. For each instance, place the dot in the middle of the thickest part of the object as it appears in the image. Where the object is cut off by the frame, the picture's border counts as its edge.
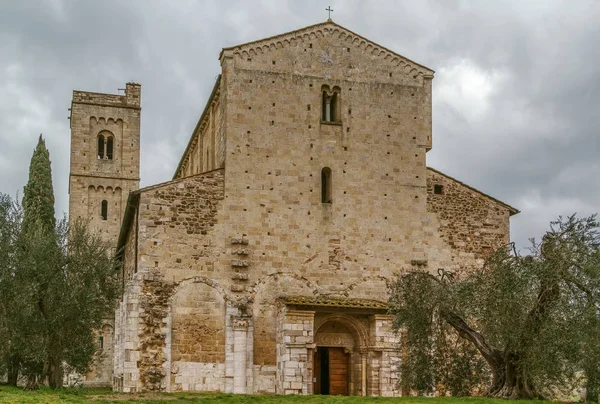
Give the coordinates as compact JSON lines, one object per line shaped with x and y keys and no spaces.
{"x":317,"y":372}
{"x":338,"y":371}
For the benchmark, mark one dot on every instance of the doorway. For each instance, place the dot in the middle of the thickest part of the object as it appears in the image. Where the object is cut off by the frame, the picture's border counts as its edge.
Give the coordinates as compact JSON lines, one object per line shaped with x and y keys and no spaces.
{"x":330,"y":371}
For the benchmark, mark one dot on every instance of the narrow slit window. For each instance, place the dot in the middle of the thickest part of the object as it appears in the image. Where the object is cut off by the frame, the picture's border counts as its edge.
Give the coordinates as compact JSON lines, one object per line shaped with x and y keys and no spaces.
{"x":104,"y":210}
{"x":100,"y":147}
{"x":109,"y":148}
{"x":326,"y":185}
{"x":101,"y":342}
{"x":325,"y":107}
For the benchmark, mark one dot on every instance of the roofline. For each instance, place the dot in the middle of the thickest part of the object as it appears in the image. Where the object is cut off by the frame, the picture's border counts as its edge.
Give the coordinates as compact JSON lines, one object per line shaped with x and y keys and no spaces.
{"x":174,"y":181}
{"x":132,"y":203}
{"x":512,"y":210}
{"x":316,"y":25}
{"x":204,"y":113}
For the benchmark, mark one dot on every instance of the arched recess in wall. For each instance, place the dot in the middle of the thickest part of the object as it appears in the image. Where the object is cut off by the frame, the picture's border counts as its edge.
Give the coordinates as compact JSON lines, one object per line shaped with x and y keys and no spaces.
{"x":359,"y":332}
{"x":197,"y":326}
{"x":265,"y":312}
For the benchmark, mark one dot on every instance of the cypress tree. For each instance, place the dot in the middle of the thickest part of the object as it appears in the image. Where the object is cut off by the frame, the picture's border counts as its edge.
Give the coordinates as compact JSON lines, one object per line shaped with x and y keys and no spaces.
{"x":38,"y":195}
{"x":65,"y":283}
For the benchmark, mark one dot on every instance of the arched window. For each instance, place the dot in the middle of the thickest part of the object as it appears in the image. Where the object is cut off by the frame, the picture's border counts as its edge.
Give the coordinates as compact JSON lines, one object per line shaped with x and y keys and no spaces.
{"x":100,"y":147}
{"x":109,"y":148}
{"x":331,"y":111}
{"x":326,"y":185}
{"x":104,"y":210}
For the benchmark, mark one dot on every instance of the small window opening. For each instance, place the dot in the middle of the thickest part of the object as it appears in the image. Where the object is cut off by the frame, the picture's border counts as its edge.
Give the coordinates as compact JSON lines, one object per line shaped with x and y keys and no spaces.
{"x":104,"y":210}
{"x":331,"y":104}
{"x":109,"y":148}
{"x":438,"y":189}
{"x":100,"y":147}
{"x":101,"y":342}
{"x":326,"y":185}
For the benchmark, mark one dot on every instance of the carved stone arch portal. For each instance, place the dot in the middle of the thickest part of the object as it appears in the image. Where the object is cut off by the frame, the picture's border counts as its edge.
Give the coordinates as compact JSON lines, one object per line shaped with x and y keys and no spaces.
{"x":357,"y":330}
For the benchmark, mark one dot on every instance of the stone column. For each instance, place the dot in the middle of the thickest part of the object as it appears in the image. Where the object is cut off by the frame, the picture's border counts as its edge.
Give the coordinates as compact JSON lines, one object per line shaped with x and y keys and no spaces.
{"x":240,"y":337}
{"x":363,"y":371}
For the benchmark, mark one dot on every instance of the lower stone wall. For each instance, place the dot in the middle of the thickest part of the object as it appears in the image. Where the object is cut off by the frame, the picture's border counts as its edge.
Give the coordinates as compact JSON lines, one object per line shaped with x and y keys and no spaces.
{"x":142,"y":334}
{"x":126,"y":377}
{"x":294,"y":361}
{"x":197,"y":376}
{"x":265,"y":379}
{"x":101,"y":371}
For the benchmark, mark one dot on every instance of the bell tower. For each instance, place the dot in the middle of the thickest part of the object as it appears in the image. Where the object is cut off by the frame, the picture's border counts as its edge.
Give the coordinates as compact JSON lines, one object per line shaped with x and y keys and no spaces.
{"x":105,"y":157}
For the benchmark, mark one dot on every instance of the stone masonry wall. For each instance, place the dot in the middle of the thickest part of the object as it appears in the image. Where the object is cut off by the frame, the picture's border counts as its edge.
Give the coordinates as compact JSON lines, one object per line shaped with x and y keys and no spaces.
{"x":470,"y":222}
{"x":295,"y":333}
{"x":174,"y":244}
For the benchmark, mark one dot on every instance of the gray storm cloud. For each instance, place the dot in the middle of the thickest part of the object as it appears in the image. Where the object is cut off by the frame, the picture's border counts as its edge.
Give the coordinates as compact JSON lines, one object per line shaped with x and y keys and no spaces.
{"x":516,"y":91}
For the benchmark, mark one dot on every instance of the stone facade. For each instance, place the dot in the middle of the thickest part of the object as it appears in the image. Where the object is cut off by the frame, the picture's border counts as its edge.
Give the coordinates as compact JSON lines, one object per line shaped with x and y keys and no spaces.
{"x":302,"y":193}
{"x":105,"y":167}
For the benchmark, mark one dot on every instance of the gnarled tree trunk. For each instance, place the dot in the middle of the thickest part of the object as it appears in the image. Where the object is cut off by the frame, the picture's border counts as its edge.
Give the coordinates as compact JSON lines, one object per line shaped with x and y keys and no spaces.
{"x":507,"y":379}
{"x":32,"y":382}
{"x":14,"y":365}
{"x":55,"y":376}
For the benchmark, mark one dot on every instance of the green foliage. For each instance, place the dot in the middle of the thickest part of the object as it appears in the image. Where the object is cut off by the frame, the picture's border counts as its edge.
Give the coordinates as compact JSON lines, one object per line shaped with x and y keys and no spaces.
{"x":9,"y":231}
{"x":57,"y":282}
{"x":38,"y":196}
{"x":10,"y":395}
{"x":536,"y":314}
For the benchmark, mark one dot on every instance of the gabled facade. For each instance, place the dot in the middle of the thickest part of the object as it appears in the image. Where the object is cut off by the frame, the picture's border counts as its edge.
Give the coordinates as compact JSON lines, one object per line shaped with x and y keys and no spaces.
{"x":263,"y":266}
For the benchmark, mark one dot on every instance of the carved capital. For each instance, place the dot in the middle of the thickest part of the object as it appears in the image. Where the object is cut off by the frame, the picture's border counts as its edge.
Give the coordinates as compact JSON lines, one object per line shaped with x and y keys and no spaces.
{"x":240,"y":324}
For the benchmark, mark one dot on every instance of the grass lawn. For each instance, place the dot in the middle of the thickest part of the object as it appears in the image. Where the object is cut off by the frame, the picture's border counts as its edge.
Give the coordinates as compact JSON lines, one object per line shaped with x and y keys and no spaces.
{"x":47,"y":396}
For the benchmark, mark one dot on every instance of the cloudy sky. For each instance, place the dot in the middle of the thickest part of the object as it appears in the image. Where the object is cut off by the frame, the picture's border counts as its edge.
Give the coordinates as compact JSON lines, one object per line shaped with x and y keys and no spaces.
{"x":516,"y":102}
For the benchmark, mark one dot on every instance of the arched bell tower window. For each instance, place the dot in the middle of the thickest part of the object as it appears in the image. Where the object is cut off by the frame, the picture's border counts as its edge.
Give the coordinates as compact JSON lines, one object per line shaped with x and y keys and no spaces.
{"x":109,"y":148}
{"x":106,"y":142}
{"x":104,"y":210}
{"x":331,"y":104}
{"x":100,"y":147}
{"x":326,"y":185}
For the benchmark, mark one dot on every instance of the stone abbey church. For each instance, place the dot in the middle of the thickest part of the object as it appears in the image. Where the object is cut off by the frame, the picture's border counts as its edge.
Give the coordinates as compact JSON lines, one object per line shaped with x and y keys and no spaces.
{"x":264,"y":265}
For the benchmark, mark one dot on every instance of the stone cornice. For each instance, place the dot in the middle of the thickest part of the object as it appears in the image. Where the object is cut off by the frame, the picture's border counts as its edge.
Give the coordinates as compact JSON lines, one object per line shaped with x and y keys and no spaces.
{"x":319,"y":30}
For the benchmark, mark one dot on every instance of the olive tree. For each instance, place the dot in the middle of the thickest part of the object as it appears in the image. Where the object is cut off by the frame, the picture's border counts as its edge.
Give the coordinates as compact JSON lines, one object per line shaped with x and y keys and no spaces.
{"x":532,"y":318}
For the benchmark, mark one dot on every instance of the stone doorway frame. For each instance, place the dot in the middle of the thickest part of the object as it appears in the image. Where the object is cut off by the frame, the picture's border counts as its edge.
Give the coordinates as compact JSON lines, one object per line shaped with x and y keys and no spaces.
{"x":375,"y":351}
{"x":356,"y":348}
